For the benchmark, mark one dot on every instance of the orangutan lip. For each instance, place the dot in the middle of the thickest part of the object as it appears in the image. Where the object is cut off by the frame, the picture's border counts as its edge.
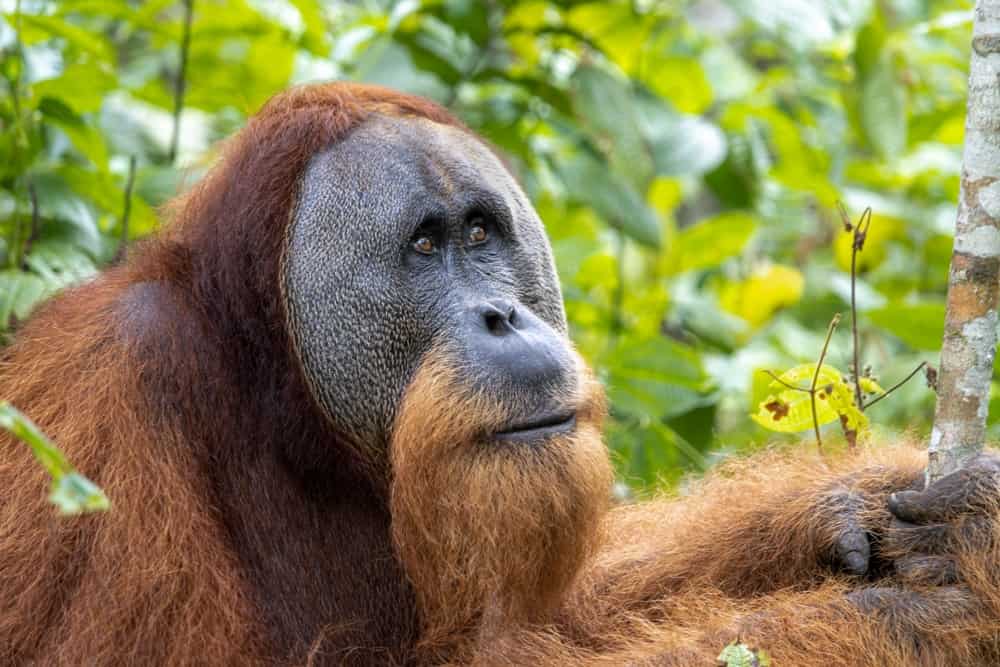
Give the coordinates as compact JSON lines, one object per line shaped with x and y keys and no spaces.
{"x":540,"y":428}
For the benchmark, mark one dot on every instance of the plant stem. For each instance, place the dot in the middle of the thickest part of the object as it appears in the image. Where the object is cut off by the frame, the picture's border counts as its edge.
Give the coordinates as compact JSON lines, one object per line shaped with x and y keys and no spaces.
{"x":180,"y":81}
{"x":618,"y":299}
{"x":897,"y":385}
{"x":35,"y":225}
{"x":126,"y":212}
{"x":777,"y":379}
{"x":812,"y":387}
{"x":857,"y":244}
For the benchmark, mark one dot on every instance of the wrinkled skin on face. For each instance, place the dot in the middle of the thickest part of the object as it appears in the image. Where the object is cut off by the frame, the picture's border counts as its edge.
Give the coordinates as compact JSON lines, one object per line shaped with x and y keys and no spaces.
{"x":408,"y":233}
{"x":426,"y":316}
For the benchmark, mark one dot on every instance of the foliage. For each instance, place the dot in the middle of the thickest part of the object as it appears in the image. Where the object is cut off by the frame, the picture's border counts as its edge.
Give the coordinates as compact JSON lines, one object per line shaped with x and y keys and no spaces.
{"x":738,"y":654}
{"x":686,"y":158}
{"x":71,"y":492}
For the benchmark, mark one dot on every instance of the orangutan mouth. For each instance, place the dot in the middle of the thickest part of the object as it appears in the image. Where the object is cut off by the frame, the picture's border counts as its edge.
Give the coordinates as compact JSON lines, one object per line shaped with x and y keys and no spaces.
{"x":538,"y":428}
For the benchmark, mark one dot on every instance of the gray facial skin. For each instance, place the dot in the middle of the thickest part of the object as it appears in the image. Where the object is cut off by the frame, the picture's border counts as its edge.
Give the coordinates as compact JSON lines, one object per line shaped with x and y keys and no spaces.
{"x":366,"y":304}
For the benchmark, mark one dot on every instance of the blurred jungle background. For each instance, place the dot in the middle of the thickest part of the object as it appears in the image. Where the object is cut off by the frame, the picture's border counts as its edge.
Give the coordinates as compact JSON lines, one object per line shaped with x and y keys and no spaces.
{"x":687,"y":158}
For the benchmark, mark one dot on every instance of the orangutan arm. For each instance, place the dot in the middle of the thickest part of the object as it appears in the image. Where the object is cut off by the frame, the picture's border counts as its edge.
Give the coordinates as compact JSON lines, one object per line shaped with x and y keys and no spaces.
{"x":932,"y":595}
{"x":829,"y":625}
{"x":774,"y":523}
{"x":755,"y":526}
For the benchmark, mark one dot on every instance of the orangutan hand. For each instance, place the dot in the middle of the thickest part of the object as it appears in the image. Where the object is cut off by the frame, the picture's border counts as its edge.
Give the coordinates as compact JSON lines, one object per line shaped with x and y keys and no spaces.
{"x":917,"y":539}
{"x":930,"y":529}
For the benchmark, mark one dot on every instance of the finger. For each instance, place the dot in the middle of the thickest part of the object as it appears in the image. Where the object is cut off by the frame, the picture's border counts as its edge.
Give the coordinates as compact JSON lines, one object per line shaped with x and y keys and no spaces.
{"x":910,"y":506}
{"x":854,"y":550}
{"x":902,"y":537}
{"x":925,"y":570}
{"x":921,"y":608}
{"x":851,"y":547}
{"x":964,"y":491}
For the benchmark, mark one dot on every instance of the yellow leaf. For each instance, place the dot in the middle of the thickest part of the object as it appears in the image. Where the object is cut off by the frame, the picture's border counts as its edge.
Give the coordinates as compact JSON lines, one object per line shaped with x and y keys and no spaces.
{"x":802,"y":375}
{"x":619,"y":32}
{"x":694,"y":96}
{"x":790,"y":411}
{"x":757,"y":298}
{"x":881,"y":230}
{"x":870,"y":386}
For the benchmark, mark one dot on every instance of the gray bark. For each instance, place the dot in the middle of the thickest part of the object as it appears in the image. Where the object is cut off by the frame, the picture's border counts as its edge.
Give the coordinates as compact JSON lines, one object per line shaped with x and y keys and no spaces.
{"x":970,"y":333}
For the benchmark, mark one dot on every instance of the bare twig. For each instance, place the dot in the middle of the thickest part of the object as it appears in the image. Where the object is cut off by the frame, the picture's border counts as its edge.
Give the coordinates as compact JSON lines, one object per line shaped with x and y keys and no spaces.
{"x":126,"y":212}
{"x":180,"y":81}
{"x":15,"y":84}
{"x":812,"y":388}
{"x":857,"y":245}
{"x":897,"y":385}
{"x":35,"y":224}
{"x":618,"y":298}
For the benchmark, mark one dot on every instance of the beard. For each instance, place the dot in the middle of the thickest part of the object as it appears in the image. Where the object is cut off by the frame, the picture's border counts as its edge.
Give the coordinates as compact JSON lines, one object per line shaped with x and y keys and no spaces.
{"x":491,"y":533}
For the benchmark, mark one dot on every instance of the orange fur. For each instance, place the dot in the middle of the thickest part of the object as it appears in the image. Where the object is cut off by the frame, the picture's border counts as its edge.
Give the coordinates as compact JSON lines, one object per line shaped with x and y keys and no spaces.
{"x":245,"y":531}
{"x":490,"y":534}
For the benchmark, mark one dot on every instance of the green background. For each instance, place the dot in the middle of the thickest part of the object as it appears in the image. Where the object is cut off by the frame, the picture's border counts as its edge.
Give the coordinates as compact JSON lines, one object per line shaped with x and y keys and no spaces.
{"x":687,"y":159}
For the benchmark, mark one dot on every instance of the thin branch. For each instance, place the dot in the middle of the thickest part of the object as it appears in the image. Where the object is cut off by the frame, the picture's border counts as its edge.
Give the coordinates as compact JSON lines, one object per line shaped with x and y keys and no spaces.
{"x":782,"y":382}
{"x":14,"y":242}
{"x":15,"y":84}
{"x":180,"y":81}
{"x":35,"y":224}
{"x":126,"y":212}
{"x":812,"y":388}
{"x":857,"y":245}
{"x":618,"y":298}
{"x":897,"y":385}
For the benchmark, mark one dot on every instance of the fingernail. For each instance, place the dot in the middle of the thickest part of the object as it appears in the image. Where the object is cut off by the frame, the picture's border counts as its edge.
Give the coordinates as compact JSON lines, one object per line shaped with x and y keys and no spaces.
{"x":856,"y":563}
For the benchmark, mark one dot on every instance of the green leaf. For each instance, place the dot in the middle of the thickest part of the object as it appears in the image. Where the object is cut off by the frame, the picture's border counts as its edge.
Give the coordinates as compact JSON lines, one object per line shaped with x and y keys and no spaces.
{"x":60,"y":264}
{"x":470,"y":17}
{"x":71,"y":492}
{"x":35,"y":28}
{"x":431,"y":53}
{"x":605,"y":106}
{"x":611,"y":197}
{"x":681,"y":145}
{"x":314,"y":34}
{"x":108,"y":194}
{"x":13,"y":421}
{"x":20,"y":292}
{"x":75,"y":494}
{"x":921,"y":325}
{"x":651,"y":452}
{"x":738,"y":654}
{"x":66,"y":214}
{"x":883,"y":109}
{"x":658,"y":377}
{"x":708,"y":243}
{"x":81,"y":87}
{"x":660,"y":359}
{"x":694,"y":96}
{"x":389,"y":64}
{"x":87,"y":139}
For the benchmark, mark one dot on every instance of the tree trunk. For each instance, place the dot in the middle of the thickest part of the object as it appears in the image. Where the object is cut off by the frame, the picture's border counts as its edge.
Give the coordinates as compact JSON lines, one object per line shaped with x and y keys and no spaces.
{"x":970,"y":330}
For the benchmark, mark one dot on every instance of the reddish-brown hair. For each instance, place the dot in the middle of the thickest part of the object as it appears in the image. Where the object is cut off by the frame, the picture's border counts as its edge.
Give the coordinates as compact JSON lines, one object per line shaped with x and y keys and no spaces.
{"x":169,"y":381}
{"x":243,"y":532}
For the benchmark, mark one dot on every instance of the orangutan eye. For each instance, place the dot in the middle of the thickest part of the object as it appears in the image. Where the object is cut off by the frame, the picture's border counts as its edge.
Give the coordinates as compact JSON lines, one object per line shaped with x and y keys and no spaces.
{"x":477,"y":234}
{"x":424,"y":245}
